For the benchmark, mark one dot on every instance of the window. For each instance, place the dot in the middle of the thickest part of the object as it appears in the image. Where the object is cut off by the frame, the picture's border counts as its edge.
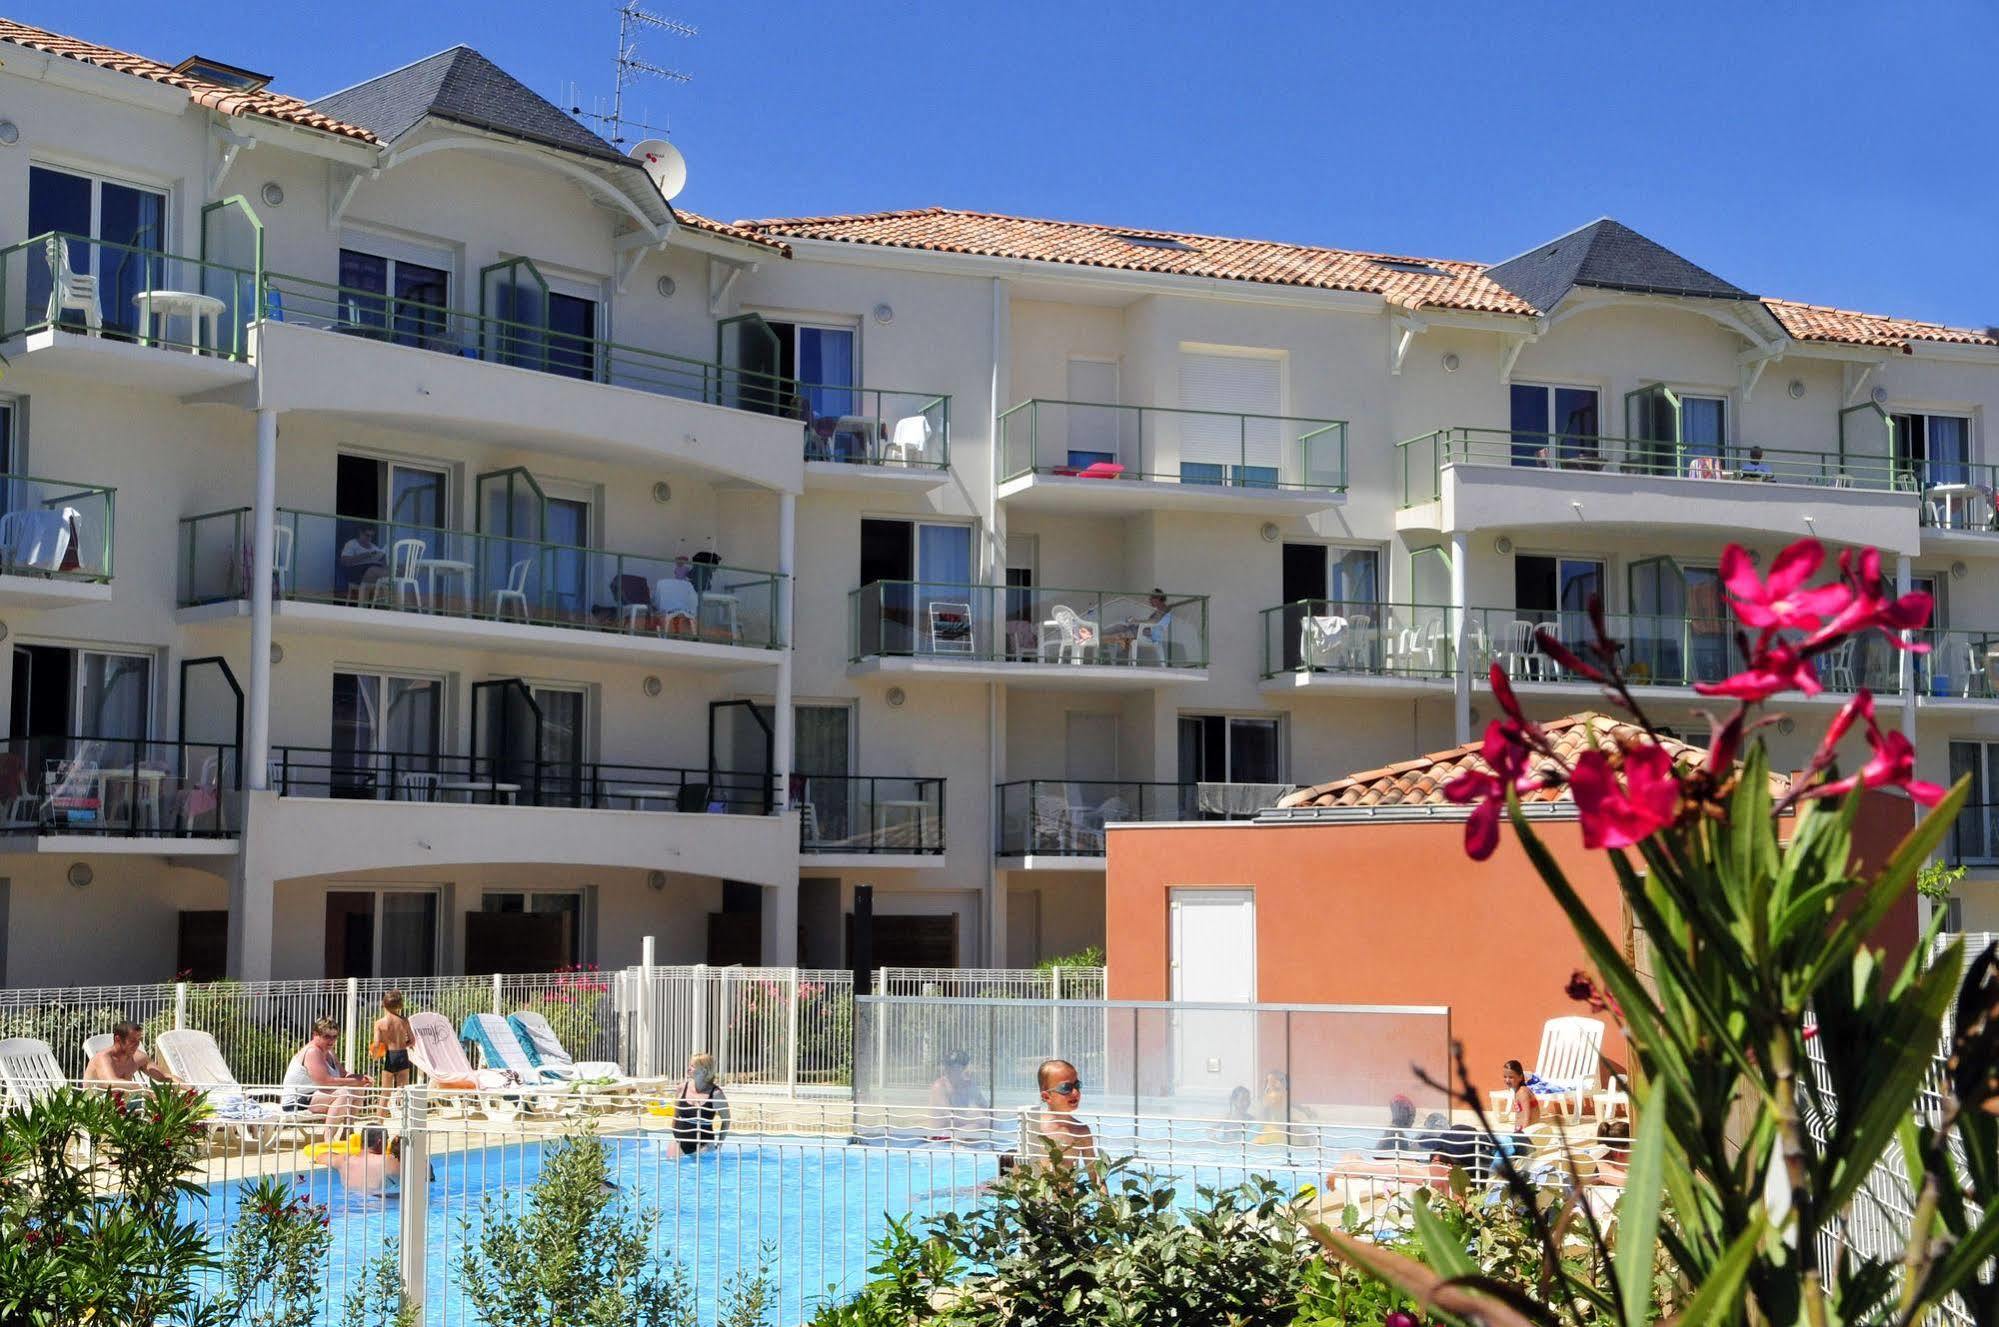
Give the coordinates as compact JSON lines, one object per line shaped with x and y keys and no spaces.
{"x":566,"y":523}
{"x":130,"y":222}
{"x":1093,"y":429}
{"x":557,"y":915}
{"x":1234,"y":437}
{"x":1158,"y":242}
{"x":95,"y":694}
{"x":1974,"y":837}
{"x":1221,"y":748}
{"x":1553,"y":423}
{"x":915,"y":565}
{"x":1936,"y":449}
{"x":386,"y":735}
{"x":381,"y":933}
{"x":1703,"y":426}
{"x":572,"y":327}
{"x":403,"y":301}
{"x":824,"y":736}
{"x":1555,"y":592}
{"x":564,"y":742}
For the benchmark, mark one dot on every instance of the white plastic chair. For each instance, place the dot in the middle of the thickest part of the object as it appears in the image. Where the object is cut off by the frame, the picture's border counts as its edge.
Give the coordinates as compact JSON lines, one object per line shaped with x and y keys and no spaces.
{"x":401,"y":580}
{"x":417,"y":785}
{"x":93,"y":1044}
{"x":1322,"y":641}
{"x":677,"y":603}
{"x":1956,"y":662}
{"x":192,"y":1056}
{"x":1152,"y":636}
{"x":516,"y":591}
{"x":29,"y":1071}
{"x":71,"y":289}
{"x":1570,"y":1058}
{"x":908,"y":442}
{"x":1523,"y":659}
{"x":1835,"y":667}
{"x":281,"y":556}
{"x":727,"y":608}
{"x":950,"y":627}
{"x":1078,"y":639}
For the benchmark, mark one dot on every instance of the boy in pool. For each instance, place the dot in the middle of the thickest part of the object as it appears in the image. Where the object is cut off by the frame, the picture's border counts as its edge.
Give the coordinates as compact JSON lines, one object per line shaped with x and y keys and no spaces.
{"x":1056,"y":1128}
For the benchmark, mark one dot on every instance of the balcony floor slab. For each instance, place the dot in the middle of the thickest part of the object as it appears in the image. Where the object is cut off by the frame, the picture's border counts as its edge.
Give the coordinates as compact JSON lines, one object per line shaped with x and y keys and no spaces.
{"x":1047,"y":862}
{"x":842,"y":477}
{"x":1044,"y":676}
{"x":1353,"y":684}
{"x":50,"y":591}
{"x":116,"y":845}
{"x":486,"y":633}
{"x":127,"y":363}
{"x":871,"y":861}
{"x":1124,"y":497}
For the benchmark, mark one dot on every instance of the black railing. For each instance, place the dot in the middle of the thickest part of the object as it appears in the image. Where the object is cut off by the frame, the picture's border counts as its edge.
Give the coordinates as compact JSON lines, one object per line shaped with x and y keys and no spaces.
{"x":1067,"y":817}
{"x":421,"y":776}
{"x":870,"y":814}
{"x":119,"y":787}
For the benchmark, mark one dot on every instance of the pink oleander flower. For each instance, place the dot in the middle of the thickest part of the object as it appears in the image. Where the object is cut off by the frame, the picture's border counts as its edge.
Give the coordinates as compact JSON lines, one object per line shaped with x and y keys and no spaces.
{"x":1870,"y":606}
{"x":1616,"y":816}
{"x":1893,"y":764}
{"x":1506,"y":757}
{"x":1781,"y":601}
{"x":1775,"y":665}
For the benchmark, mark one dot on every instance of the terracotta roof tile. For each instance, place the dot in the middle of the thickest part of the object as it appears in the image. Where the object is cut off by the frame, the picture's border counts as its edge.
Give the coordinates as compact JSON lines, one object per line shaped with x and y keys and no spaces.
{"x":1420,"y":782}
{"x":1816,"y":322}
{"x":695,"y":221}
{"x":1441,"y":283}
{"x":229,"y":101}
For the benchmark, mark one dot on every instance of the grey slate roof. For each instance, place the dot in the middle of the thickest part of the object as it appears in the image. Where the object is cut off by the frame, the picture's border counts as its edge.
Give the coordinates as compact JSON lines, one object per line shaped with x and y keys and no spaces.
{"x":1607,"y":255}
{"x":462,"y":85}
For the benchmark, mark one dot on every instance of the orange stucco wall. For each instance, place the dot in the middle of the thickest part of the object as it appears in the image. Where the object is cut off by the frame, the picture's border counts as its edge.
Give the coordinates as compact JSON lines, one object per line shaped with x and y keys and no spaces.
{"x":1394,"y":913}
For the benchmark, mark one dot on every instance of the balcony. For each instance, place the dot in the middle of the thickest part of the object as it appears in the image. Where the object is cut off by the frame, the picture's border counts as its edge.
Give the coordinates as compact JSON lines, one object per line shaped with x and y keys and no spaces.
{"x":1480,"y":479}
{"x":79,"y":307}
{"x":1059,"y":824}
{"x":871,"y":820}
{"x":870,"y":439}
{"x":1958,"y":503}
{"x":428,"y":365}
{"x":1119,"y":459}
{"x":112,"y":795}
{"x":1028,"y":636}
{"x":55,"y":542}
{"x":1341,"y":648}
{"x":346,"y":810}
{"x":482,"y":590}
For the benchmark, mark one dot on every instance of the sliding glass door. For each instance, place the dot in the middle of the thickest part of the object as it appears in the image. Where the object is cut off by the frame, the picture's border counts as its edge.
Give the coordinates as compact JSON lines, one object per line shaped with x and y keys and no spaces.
{"x":386,"y":735}
{"x":94,"y":208}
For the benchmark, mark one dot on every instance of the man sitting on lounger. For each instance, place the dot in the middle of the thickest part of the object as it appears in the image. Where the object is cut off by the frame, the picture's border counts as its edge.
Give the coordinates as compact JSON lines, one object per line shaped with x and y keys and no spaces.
{"x":956,"y":1103}
{"x":122,"y":1061}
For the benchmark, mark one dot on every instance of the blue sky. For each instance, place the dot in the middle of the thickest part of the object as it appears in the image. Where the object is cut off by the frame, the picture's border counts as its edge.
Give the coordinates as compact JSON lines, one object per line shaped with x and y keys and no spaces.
{"x":1841,"y":153}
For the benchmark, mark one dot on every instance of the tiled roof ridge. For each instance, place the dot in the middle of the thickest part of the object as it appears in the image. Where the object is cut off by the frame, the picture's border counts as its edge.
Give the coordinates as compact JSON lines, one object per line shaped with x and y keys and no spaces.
{"x":1471,"y":266}
{"x":214,"y":96}
{"x":1975,"y":335}
{"x":729,"y":230}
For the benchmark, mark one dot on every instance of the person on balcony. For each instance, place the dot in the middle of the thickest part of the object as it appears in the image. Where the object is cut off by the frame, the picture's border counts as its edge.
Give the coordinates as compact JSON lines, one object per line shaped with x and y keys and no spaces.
{"x":363,"y":561}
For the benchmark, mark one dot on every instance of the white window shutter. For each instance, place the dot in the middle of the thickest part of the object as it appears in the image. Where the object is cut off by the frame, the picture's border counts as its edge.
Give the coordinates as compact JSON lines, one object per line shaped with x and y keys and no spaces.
{"x":1237,"y":384}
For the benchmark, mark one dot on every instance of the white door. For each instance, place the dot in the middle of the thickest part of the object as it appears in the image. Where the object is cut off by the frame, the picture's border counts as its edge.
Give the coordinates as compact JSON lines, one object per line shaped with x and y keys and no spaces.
{"x":1214,"y":962}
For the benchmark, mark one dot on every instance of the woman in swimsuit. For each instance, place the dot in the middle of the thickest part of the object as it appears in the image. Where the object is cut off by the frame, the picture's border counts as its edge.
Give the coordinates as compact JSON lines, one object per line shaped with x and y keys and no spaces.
{"x":393,"y":1040}
{"x":700,"y":1110}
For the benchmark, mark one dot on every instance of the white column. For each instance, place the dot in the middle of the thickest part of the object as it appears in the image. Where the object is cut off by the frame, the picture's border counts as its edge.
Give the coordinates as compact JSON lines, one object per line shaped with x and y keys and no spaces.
{"x":787,"y":565}
{"x":257,"y":742}
{"x":780,"y":925}
{"x":415,"y":1205}
{"x":1461,"y":636}
{"x":1905,"y":662}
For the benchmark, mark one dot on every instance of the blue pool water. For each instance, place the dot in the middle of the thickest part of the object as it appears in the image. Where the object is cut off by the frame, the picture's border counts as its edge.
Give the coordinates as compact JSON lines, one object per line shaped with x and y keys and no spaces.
{"x":805,"y":1212}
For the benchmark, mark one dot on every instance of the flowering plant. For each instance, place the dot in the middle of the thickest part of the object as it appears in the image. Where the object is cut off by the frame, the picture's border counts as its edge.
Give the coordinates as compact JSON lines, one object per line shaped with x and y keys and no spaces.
{"x":1777,"y":1050}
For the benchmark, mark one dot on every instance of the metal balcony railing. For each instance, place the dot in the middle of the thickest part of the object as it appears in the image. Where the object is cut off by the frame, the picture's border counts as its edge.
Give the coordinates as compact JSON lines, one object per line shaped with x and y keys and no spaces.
{"x":861,"y":813}
{"x":56,"y":529}
{"x":1067,"y":817}
{"x":122,"y":292}
{"x":1028,"y":624}
{"x":119,"y":787}
{"x":430,"y":776}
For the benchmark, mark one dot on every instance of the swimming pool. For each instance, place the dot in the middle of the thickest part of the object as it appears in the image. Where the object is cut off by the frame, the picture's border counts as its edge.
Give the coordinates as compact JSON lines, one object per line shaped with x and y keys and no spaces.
{"x":807,"y":1211}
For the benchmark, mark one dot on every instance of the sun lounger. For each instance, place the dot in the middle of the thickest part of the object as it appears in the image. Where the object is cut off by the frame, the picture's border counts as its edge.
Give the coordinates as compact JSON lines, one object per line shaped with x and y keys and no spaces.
{"x":500,"y":1048}
{"x":546,"y":1051}
{"x":437,"y":1052}
{"x":29,"y":1071}
{"x":193,"y":1056}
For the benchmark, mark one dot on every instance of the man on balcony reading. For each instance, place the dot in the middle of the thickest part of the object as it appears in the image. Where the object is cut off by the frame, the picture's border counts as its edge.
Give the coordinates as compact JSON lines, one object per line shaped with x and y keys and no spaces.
{"x":363,"y":560}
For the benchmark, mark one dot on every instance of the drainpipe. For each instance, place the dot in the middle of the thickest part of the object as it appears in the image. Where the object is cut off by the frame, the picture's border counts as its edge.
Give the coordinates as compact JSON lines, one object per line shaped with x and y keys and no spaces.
{"x":257,"y":744}
{"x":995,"y":927}
{"x":1460,"y":637}
{"x":781,"y":738}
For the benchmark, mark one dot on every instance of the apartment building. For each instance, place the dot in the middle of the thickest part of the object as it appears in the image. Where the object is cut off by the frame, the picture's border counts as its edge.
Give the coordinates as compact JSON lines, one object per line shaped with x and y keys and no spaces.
{"x":429,"y":548}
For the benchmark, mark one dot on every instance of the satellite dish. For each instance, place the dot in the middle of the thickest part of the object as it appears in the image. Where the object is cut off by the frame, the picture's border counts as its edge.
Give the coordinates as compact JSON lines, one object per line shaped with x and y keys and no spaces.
{"x":663,"y":162}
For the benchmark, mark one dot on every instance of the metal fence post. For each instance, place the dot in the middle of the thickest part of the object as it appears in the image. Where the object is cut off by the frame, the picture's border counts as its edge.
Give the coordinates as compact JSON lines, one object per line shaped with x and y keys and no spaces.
{"x":415,"y":1202}
{"x":791,"y":1039}
{"x":498,"y":1011}
{"x":353,"y":1017}
{"x":1055,"y":1011}
{"x":180,"y":1005}
{"x":725,"y":1009}
{"x":697,"y":1015}
{"x":648,"y":1053}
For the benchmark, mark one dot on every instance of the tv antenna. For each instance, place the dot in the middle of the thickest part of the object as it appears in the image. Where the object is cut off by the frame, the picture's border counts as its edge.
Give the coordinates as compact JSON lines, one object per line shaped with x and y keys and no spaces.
{"x":630,"y":69}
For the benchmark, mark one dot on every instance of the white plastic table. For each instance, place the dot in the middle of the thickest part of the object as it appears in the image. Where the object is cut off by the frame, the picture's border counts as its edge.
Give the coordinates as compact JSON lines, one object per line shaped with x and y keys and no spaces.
{"x":1957,"y":500}
{"x":471,"y":787}
{"x":167,"y":303}
{"x":431,"y":568}
{"x":638,"y":795}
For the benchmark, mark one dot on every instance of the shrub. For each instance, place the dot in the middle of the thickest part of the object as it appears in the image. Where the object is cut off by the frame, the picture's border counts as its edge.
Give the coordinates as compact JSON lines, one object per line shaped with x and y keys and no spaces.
{"x":275,"y":1263}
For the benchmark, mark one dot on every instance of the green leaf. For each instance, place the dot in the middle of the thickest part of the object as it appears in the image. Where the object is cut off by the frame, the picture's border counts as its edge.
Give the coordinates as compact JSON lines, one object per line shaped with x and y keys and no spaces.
{"x":1445,"y":1252}
{"x":1638,"y":1218}
{"x":1716,"y":1300}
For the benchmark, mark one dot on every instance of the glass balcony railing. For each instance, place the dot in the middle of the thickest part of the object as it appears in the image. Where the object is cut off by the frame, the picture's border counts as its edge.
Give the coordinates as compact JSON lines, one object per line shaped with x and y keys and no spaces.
{"x":863,"y":425}
{"x":1957,"y":495}
{"x":1066,"y":817}
{"x":120,"y":788}
{"x":868,"y":814}
{"x":1424,"y":458}
{"x":124,"y":293}
{"x":1359,"y":638}
{"x":1028,"y":624}
{"x":430,"y":776}
{"x":391,"y":566}
{"x":1173,"y":446}
{"x":56,"y":529}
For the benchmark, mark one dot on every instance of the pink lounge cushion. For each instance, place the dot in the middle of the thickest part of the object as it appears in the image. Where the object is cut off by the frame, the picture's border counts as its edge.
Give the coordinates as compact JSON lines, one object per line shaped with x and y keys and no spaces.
{"x":1102,"y":470}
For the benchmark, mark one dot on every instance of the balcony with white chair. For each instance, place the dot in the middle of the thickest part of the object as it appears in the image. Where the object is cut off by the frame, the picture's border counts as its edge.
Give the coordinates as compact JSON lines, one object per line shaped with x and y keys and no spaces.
{"x":56,"y":542}
{"x":1351,"y":648}
{"x":1028,"y":635}
{"x":355,"y":576}
{"x":1062,"y":824}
